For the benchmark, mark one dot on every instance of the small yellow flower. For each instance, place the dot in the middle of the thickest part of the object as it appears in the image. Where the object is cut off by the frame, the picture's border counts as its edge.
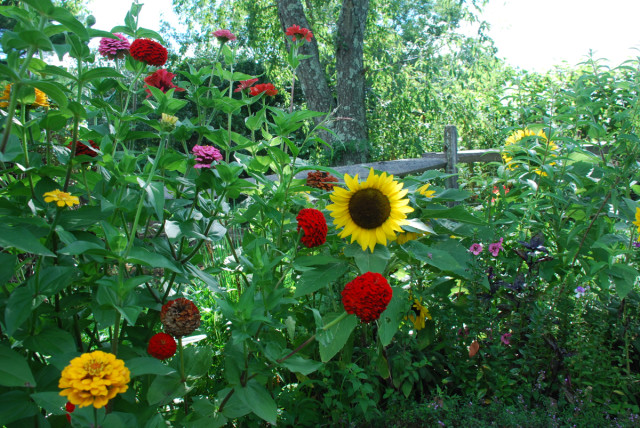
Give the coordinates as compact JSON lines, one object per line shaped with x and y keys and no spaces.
{"x":94,"y":379}
{"x":419,"y":316}
{"x":637,"y":222}
{"x":423,"y":190}
{"x":168,"y":122}
{"x":61,"y":198}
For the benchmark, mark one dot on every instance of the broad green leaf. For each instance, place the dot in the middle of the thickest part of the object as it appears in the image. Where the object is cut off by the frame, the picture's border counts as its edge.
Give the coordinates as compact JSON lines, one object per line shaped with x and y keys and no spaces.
{"x":81,"y":247}
{"x":458,"y":213}
{"x":53,"y":91}
{"x":100,"y":73}
{"x":145,"y":257}
{"x":7,"y":266}
{"x":302,"y":365}
{"x":258,"y":399}
{"x":197,"y":361}
{"x":164,"y":388}
{"x":52,"y":279}
{"x":367,"y":261}
{"x":22,"y":239}
{"x":334,"y":338}
{"x":14,"y":370}
{"x":624,"y":277}
{"x":52,"y":402}
{"x":64,"y":17}
{"x":448,"y":256}
{"x":16,"y":405}
{"x":19,"y":307}
{"x":51,"y":341}
{"x":318,"y":278}
{"x":235,"y":407}
{"x":392,"y":316}
{"x":147,"y":365}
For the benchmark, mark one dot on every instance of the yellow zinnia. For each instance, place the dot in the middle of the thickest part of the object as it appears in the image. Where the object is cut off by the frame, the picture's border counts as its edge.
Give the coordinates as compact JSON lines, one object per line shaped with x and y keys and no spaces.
{"x":61,"y":198}
{"x":93,"y":379}
{"x":372,"y":212}
{"x":40,"y":101}
{"x":424,"y":191}
{"x":419,"y":316}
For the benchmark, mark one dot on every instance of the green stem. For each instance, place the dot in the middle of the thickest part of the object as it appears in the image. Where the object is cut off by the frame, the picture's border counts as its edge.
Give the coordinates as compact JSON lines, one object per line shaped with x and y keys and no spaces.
{"x":183,"y":378}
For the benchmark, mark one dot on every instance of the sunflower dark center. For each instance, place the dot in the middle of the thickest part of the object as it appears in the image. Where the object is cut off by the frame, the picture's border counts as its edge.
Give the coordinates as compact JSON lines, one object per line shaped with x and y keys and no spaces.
{"x":369,"y":208}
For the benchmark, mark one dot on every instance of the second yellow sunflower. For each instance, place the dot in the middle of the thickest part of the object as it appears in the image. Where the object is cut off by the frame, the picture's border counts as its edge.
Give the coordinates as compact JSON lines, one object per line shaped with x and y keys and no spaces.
{"x":371,"y":212}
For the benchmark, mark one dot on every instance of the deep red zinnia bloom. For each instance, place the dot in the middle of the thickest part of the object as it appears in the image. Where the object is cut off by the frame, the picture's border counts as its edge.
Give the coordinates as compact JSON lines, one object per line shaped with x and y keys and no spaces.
{"x":180,"y":317}
{"x":299,"y":33}
{"x":268,"y":88}
{"x":245,"y":84}
{"x":69,"y":407}
{"x":367,"y":296}
{"x":162,"y":346}
{"x":161,"y":79}
{"x":149,"y":52}
{"x":84,"y":149}
{"x":314,"y":226}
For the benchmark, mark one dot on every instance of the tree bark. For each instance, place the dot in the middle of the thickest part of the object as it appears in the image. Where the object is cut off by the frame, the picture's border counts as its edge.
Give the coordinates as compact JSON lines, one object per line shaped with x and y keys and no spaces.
{"x":351,"y":124}
{"x":310,"y":72}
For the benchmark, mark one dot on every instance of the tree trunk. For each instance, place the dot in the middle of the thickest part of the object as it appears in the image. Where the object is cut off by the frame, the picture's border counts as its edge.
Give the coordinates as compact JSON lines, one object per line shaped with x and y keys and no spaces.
{"x":351,"y":124}
{"x":310,"y":72}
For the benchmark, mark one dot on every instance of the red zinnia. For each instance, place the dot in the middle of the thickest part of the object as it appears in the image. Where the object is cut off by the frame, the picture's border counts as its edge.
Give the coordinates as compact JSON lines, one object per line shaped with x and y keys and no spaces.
{"x":161,"y":79}
{"x":268,"y":88}
{"x":162,"y":346}
{"x":299,"y":33}
{"x":367,"y":296}
{"x":245,"y":84}
{"x":69,"y":407}
{"x":314,"y":226}
{"x":180,"y":317}
{"x":83,"y":149}
{"x":149,"y":52}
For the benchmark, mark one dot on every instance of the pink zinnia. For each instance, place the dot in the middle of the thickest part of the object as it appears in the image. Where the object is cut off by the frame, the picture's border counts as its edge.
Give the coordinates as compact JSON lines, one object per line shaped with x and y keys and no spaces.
{"x":475,"y":249}
{"x":205,"y":156}
{"x":113,"y":48}
{"x":245,"y":84}
{"x":224,"y":36}
{"x":495,"y":248}
{"x":299,"y":33}
{"x":505,"y":338}
{"x":161,"y":79}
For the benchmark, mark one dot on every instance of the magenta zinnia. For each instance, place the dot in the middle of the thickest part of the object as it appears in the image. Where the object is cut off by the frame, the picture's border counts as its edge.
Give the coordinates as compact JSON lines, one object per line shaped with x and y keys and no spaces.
{"x":224,"y":36}
{"x":314,"y":227}
{"x":149,"y":52}
{"x":205,"y":156}
{"x":161,"y":79}
{"x":114,"y":48}
{"x":367,"y":296}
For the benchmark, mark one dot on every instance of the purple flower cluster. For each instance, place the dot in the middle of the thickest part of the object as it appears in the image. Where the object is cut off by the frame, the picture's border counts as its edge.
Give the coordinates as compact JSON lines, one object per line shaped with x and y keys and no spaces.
{"x":112,"y":48}
{"x":205,"y":156}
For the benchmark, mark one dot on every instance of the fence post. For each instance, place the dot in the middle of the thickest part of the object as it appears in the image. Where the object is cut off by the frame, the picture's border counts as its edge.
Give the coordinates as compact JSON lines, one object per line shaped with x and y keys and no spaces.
{"x":451,"y":154}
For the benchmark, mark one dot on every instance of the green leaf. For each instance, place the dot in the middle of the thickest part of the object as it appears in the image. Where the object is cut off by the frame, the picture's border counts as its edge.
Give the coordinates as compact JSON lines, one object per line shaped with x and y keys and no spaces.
{"x":334,"y":338}
{"x":458,"y":213}
{"x":53,"y":91}
{"x":64,"y":17}
{"x":52,"y":402}
{"x":51,"y":341}
{"x":302,"y":365}
{"x":367,"y":261}
{"x":19,"y":307}
{"x":7,"y":266}
{"x":197,"y":361}
{"x":81,"y":247}
{"x":165,"y":388}
{"x":22,"y":239}
{"x":52,"y":279}
{"x":16,"y":405}
{"x":145,"y":257}
{"x":147,"y":365}
{"x":257,"y":398}
{"x":14,"y":370}
{"x":320,"y":277}
{"x":155,"y":193}
{"x":235,"y":407}
{"x":100,"y":73}
{"x":392,"y":316}
{"x":447,"y":256}
{"x":624,"y":277}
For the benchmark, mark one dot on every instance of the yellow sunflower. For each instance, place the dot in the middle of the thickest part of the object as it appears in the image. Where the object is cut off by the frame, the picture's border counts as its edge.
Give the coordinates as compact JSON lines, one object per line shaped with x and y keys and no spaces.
{"x":518,"y":135}
{"x":404,"y":237}
{"x":424,"y":191}
{"x":372,"y":212}
{"x":419,"y":316}
{"x":637,"y":222}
